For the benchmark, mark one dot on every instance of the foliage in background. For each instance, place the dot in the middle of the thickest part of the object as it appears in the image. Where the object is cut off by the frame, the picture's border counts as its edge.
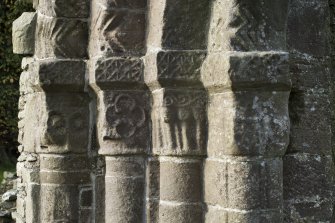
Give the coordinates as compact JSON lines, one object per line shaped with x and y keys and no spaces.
{"x":9,"y":72}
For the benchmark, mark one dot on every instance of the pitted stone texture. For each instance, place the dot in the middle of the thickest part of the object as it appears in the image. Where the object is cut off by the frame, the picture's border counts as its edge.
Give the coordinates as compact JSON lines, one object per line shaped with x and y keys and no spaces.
{"x":218,"y":215}
{"x":243,"y":184}
{"x":116,"y":72}
{"x":64,"y":8}
{"x":123,"y":122}
{"x":121,"y":4}
{"x":61,"y":38}
{"x":63,"y":124}
{"x":310,"y":114}
{"x":248,"y":123}
{"x":250,"y":25}
{"x":308,"y":187}
{"x":152,"y":189}
{"x":59,"y":203}
{"x":24,"y":33}
{"x":237,"y":70}
{"x":180,"y":180}
{"x":174,"y":25}
{"x":180,"y":213}
{"x":117,"y":32}
{"x":309,"y":73}
{"x":308,"y":24}
{"x":179,"y":122}
{"x":124,"y":183}
{"x":30,"y":122}
{"x":61,"y":75}
{"x":170,"y":68}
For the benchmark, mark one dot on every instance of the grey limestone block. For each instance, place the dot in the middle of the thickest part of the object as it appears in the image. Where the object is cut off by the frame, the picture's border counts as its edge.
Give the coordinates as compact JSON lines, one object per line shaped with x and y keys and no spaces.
{"x":23,"y":34}
{"x":59,"y":203}
{"x":246,"y":70}
{"x":117,"y":31}
{"x":309,"y":73}
{"x":248,"y":25}
{"x":308,"y":187}
{"x":61,"y":177}
{"x":152,"y":189}
{"x":179,"y":122}
{"x":99,"y":197}
{"x":121,"y":4}
{"x":61,"y":75}
{"x":180,"y":180}
{"x":180,"y":213}
{"x":32,"y":202}
{"x":308,"y":26}
{"x":310,"y":115}
{"x":64,"y":8}
{"x":28,"y":136}
{"x":173,"y":68}
{"x":175,"y":25}
{"x":248,"y":123}
{"x":125,"y":189}
{"x":61,"y":38}
{"x":244,"y":184}
{"x":63,"y":125}
{"x":274,"y":216}
{"x":123,"y":122}
{"x":116,"y":72}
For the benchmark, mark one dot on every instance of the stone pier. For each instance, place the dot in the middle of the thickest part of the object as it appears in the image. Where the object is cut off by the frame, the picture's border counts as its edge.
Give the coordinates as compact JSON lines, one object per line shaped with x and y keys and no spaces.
{"x":176,"y":111}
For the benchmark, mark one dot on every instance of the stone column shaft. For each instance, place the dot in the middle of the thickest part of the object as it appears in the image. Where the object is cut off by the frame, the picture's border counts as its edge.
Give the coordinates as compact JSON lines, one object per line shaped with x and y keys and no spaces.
{"x":246,"y":75}
{"x":308,"y":163}
{"x":176,"y":48}
{"x":116,"y":75}
{"x":55,"y":134}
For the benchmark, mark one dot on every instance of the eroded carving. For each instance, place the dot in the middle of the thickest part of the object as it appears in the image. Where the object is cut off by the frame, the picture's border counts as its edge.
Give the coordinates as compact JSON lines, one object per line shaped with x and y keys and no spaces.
{"x":123,"y":126}
{"x":119,"y":69}
{"x":124,"y":117}
{"x":180,"y":122}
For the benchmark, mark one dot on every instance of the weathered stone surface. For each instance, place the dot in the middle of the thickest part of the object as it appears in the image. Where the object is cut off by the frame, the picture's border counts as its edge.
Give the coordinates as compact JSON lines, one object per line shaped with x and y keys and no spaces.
{"x":59,"y":203}
{"x":59,"y":75}
{"x":121,"y":4}
{"x":308,"y":23}
{"x":124,"y":185}
{"x":116,"y":71}
{"x":243,"y":184}
{"x":184,"y":112}
{"x":179,"y":119}
{"x":9,"y":195}
{"x":248,"y":123}
{"x":65,"y":8}
{"x":310,"y":114}
{"x":173,"y":24}
{"x":24,"y":33}
{"x":123,"y":122}
{"x":61,"y":38}
{"x":179,"y":213}
{"x":117,"y":32}
{"x":171,"y":68}
{"x":248,"y":25}
{"x":308,"y":187}
{"x":246,"y":70}
{"x":180,"y":180}
{"x":63,"y":124}
{"x":309,"y":73}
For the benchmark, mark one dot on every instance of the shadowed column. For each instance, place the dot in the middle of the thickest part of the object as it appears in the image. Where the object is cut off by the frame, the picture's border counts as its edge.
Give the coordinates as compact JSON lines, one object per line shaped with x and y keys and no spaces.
{"x":56,"y":123}
{"x":176,"y":43}
{"x":116,"y":75}
{"x":246,"y":75}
